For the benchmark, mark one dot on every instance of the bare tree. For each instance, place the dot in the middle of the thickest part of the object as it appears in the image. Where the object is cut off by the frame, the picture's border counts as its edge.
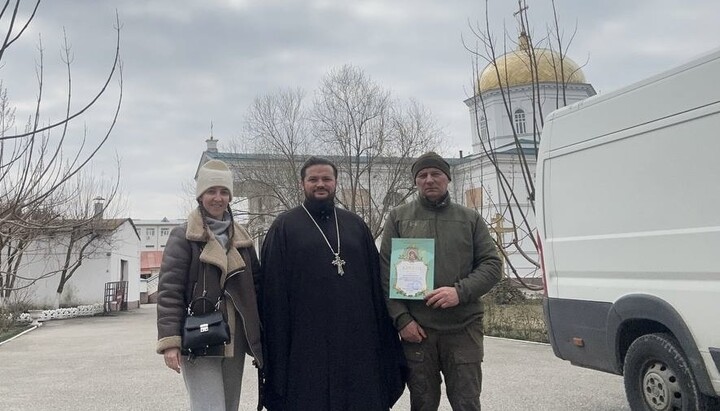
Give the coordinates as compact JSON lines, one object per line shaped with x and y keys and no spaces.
{"x":374,"y":139}
{"x":38,"y":164}
{"x":74,"y":229}
{"x":278,"y":127}
{"x":506,"y":183}
{"x":371,"y":137}
{"x":85,"y":227}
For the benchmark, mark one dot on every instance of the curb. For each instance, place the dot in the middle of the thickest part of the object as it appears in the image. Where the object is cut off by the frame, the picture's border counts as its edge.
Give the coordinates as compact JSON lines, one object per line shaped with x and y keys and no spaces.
{"x":516,"y":340}
{"x":18,"y":335}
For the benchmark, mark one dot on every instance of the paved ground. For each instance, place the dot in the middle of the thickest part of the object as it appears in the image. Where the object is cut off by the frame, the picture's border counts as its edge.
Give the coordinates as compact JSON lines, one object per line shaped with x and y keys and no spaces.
{"x":109,"y":363}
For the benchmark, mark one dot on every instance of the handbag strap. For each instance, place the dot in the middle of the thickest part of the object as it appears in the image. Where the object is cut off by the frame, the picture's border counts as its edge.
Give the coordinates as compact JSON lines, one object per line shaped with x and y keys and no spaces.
{"x":203,"y":296}
{"x":192,"y":303}
{"x":192,"y":277}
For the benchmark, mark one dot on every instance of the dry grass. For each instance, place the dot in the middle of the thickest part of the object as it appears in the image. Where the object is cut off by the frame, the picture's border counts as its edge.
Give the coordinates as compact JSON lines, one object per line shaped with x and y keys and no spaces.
{"x":522,"y":320}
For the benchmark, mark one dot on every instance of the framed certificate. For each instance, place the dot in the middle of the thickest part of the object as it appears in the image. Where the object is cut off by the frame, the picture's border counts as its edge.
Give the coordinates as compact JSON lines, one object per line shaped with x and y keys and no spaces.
{"x":412,"y":263}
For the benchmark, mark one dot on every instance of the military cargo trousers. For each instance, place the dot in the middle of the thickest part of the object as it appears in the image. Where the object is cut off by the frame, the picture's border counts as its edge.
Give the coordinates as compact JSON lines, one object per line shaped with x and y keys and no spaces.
{"x":458,"y":356}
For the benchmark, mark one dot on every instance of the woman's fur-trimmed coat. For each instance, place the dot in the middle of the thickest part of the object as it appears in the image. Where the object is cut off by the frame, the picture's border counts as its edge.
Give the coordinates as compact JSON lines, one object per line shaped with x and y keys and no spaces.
{"x":194,"y":261}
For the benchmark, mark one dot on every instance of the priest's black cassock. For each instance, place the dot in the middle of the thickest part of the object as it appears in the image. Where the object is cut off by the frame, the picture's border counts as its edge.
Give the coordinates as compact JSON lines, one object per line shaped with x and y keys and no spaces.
{"x":329,"y":343}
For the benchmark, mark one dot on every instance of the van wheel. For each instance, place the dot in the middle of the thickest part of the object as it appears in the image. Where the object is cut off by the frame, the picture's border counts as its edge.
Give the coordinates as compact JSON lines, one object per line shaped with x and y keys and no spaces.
{"x":658,"y":377}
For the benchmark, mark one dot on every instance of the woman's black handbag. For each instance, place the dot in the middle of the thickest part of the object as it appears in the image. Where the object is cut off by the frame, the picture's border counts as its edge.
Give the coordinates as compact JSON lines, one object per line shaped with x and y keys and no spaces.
{"x":202,"y":331}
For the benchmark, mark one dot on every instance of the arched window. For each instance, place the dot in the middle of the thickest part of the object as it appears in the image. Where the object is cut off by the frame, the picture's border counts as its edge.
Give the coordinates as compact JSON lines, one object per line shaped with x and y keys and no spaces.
{"x":483,"y":129}
{"x":520,"y":121}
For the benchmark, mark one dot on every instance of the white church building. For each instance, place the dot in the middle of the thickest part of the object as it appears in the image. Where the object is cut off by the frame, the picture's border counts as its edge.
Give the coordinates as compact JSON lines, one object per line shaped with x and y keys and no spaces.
{"x":506,"y":113}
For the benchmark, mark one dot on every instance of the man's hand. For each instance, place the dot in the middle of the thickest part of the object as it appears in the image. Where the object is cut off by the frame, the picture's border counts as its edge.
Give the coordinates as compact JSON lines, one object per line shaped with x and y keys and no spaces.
{"x":412,"y":332}
{"x":172,"y":359}
{"x":443,"y":297}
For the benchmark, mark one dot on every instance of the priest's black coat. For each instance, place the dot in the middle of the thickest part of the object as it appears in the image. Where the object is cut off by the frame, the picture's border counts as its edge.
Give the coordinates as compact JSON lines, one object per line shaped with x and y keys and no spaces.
{"x":329,"y":342}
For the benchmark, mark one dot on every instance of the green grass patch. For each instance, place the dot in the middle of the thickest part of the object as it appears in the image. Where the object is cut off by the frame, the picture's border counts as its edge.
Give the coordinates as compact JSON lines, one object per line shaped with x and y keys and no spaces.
{"x":12,"y":330}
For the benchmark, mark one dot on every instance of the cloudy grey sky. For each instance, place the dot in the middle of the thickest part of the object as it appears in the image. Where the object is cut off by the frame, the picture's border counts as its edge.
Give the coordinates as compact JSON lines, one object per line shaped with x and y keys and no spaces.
{"x":187,"y":63}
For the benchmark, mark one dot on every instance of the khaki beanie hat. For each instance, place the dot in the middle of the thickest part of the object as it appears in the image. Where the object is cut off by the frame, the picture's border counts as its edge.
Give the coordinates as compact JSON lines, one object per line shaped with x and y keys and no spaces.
{"x":211,"y":174}
{"x":430,"y":159}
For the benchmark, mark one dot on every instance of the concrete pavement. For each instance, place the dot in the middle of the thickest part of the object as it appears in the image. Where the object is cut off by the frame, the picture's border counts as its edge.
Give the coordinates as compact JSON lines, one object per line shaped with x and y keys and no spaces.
{"x":89,"y":363}
{"x":109,"y":363}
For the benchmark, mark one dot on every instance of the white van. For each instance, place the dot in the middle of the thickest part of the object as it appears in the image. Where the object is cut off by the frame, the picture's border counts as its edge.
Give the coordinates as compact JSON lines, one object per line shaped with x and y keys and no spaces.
{"x":628,"y":206}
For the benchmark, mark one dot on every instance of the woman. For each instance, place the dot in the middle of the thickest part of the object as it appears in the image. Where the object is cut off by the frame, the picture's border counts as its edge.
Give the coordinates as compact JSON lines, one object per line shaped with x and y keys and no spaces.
{"x":208,"y":253}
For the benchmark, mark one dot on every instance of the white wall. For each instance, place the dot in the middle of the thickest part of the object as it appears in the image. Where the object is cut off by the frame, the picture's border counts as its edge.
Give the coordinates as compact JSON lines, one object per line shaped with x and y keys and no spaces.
{"x":84,"y":287}
{"x":498,"y":122}
{"x":87,"y":285}
{"x":156,"y":241}
{"x":125,"y":247}
{"x":480,"y":172}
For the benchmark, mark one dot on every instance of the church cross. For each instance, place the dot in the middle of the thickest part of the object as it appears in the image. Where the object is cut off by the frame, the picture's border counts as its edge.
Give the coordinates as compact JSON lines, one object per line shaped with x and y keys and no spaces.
{"x":521,"y":7}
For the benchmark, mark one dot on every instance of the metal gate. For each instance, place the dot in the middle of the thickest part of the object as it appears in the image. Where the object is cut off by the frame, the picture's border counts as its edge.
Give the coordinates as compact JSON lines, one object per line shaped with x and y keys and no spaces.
{"x":115,"y":296}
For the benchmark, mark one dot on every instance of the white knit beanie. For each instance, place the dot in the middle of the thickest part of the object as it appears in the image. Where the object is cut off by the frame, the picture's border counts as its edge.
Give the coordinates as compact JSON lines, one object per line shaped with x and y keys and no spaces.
{"x":211,"y":174}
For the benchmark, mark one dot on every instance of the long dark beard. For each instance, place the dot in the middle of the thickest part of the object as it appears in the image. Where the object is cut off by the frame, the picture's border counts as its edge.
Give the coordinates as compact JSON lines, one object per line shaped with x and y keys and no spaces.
{"x":314,"y":205}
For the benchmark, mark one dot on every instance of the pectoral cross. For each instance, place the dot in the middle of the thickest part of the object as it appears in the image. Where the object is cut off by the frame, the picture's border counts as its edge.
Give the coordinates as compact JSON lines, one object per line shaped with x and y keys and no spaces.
{"x":339,"y":262}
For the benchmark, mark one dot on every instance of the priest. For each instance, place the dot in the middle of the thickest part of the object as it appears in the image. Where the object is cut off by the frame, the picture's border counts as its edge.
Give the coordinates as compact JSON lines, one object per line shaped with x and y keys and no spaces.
{"x":329,"y":342}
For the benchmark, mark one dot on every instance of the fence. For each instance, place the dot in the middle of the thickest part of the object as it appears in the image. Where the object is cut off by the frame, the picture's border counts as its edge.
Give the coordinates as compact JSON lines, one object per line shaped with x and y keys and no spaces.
{"x":115,"y":296}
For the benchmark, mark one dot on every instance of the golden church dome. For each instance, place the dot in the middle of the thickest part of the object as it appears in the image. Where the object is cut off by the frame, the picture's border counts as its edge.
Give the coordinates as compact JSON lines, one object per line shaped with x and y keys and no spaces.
{"x":514,"y":69}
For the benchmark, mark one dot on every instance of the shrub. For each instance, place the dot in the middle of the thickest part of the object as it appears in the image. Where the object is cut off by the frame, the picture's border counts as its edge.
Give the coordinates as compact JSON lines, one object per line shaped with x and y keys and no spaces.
{"x":505,"y":292}
{"x":8,"y":321}
{"x":17,"y":303}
